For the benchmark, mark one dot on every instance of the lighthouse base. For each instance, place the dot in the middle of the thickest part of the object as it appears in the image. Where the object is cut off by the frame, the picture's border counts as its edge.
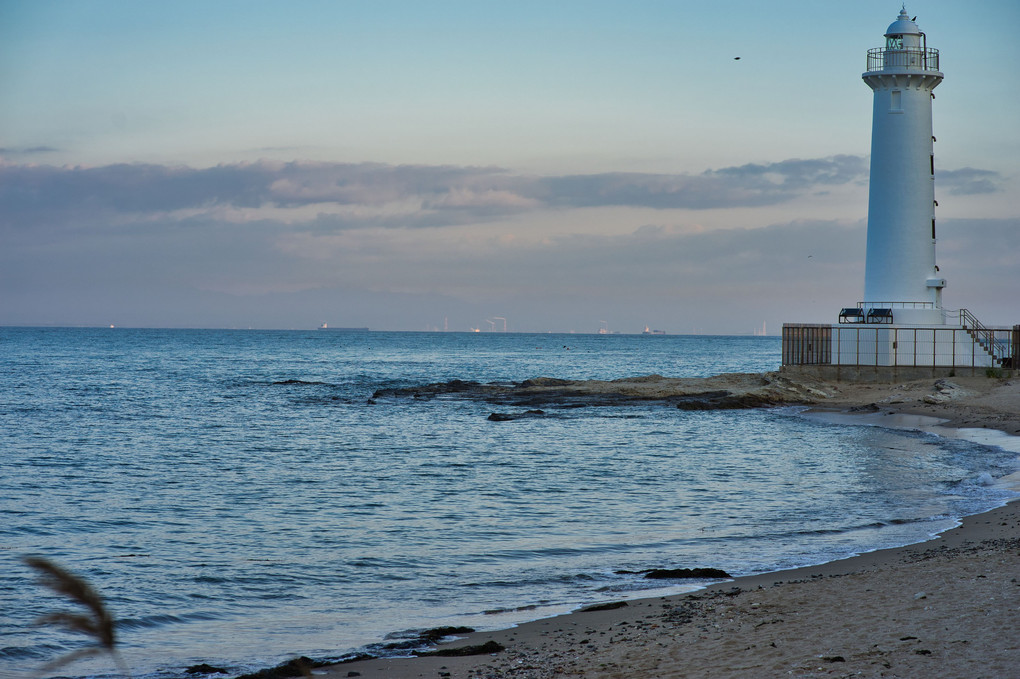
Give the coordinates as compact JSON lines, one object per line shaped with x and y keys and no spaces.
{"x":899,"y":345}
{"x":876,"y":374}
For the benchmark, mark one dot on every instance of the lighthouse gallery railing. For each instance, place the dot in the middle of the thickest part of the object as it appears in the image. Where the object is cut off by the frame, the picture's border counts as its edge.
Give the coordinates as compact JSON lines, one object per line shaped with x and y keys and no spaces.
{"x":908,"y":58}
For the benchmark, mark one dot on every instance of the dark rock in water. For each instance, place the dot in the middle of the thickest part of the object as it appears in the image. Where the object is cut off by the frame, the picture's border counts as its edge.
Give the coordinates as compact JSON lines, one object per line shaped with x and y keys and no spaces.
{"x":436,"y":633}
{"x":506,"y":417}
{"x":722,"y":400}
{"x":480,"y":649}
{"x":406,"y":645}
{"x":545,"y":382}
{"x":204,"y":668}
{"x":603,"y":607}
{"x":413,"y":639}
{"x":869,"y":408}
{"x":455,"y":386}
{"x":298,"y":667}
{"x":467,"y":387}
{"x":685,"y":573}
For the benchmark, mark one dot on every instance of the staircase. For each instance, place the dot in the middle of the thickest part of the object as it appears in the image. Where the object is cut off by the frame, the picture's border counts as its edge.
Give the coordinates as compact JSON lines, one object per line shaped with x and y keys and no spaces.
{"x":999,"y":350}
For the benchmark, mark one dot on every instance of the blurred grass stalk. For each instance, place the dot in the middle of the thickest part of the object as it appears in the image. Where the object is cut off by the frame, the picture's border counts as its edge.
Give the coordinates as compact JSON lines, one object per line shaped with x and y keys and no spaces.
{"x":96,"y":622}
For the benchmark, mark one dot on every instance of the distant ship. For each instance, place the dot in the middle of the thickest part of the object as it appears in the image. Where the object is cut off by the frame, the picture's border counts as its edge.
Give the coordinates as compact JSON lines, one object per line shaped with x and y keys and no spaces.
{"x":324,"y":326}
{"x":653,"y":332}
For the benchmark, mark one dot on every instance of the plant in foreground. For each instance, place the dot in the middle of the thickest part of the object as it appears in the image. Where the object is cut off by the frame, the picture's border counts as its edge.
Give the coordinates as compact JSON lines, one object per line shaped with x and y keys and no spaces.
{"x":96,"y":622}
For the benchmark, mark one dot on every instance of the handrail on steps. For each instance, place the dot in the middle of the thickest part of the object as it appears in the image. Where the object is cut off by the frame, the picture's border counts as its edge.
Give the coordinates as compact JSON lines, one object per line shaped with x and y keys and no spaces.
{"x":984,"y":336}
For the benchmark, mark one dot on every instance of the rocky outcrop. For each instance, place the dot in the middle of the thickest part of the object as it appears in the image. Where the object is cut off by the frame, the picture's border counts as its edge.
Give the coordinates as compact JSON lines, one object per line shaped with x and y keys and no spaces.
{"x":725,"y":400}
{"x":728,"y":391}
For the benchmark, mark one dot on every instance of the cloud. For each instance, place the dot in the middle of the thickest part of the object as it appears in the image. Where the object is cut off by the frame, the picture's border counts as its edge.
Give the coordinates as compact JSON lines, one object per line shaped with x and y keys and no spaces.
{"x":276,"y":277}
{"x":799,"y":174}
{"x":144,"y":238}
{"x":27,"y":150}
{"x":33,"y":195}
{"x":210,"y":272}
{"x":372,"y":195}
{"x":968,"y":181}
{"x":743,"y":186}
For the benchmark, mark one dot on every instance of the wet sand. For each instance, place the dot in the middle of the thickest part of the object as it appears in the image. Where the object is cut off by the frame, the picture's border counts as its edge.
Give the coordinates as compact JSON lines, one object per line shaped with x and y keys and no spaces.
{"x":943,"y":608}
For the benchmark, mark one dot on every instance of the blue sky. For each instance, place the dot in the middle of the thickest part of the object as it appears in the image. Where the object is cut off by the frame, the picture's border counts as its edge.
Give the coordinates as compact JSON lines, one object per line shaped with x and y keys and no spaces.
{"x":403,"y":165}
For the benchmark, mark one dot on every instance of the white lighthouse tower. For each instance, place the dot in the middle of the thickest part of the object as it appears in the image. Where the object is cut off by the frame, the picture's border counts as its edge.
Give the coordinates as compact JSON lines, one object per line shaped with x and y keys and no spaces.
{"x":900,"y":328}
{"x":900,"y":276}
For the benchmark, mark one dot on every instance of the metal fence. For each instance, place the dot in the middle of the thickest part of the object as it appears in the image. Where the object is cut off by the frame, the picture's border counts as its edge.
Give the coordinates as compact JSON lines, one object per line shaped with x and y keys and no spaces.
{"x":909,"y":58}
{"x":937,"y":346}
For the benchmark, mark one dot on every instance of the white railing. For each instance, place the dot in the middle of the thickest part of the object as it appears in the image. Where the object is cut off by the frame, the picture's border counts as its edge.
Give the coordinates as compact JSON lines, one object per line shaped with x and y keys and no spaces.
{"x":897,"y":305}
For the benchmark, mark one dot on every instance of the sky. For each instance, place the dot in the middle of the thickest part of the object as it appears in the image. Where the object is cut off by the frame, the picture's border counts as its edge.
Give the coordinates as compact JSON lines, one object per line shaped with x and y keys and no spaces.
{"x":408,"y":165}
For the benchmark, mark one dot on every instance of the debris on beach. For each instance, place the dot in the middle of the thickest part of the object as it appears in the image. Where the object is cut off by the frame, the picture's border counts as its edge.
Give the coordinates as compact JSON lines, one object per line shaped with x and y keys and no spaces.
{"x":945,"y":391}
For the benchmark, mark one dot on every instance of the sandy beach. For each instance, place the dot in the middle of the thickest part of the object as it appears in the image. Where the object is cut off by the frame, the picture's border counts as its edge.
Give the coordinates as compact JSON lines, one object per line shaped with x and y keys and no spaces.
{"x":943,"y":608}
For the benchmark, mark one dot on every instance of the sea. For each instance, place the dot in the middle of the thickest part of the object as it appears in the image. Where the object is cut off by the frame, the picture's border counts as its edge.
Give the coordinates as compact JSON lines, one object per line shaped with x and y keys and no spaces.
{"x":242,"y":497}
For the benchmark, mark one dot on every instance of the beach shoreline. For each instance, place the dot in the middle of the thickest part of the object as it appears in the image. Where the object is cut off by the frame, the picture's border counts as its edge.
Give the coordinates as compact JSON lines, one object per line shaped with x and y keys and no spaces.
{"x":945,"y":606}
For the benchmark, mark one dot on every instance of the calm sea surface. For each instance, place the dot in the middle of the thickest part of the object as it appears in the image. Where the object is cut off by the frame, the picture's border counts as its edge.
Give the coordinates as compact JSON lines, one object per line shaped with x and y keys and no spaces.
{"x":239,"y":499}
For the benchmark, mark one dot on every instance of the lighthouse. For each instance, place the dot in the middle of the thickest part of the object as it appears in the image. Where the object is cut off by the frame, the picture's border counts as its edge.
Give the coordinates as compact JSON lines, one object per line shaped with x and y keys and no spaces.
{"x":900,"y":330}
{"x":901,"y":278}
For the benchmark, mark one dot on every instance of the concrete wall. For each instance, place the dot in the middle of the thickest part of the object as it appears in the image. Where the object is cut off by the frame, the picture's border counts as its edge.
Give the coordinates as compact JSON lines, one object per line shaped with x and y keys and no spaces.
{"x":880,"y":374}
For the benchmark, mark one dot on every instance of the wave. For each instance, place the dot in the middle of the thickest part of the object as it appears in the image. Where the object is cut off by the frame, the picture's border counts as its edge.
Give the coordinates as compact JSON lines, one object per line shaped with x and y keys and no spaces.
{"x":164,"y":620}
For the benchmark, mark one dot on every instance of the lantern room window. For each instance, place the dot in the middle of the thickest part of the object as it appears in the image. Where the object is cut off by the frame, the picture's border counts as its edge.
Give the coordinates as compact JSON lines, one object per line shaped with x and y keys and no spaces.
{"x":894,"y":42}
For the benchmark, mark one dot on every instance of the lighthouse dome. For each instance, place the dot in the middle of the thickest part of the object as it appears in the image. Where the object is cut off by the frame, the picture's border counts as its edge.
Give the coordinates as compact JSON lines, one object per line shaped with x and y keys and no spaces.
{"x":903,"y":25}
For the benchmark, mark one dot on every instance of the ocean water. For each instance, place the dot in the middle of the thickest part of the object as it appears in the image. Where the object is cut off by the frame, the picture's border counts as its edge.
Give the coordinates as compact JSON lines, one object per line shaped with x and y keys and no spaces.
{"x":240,"y":498}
